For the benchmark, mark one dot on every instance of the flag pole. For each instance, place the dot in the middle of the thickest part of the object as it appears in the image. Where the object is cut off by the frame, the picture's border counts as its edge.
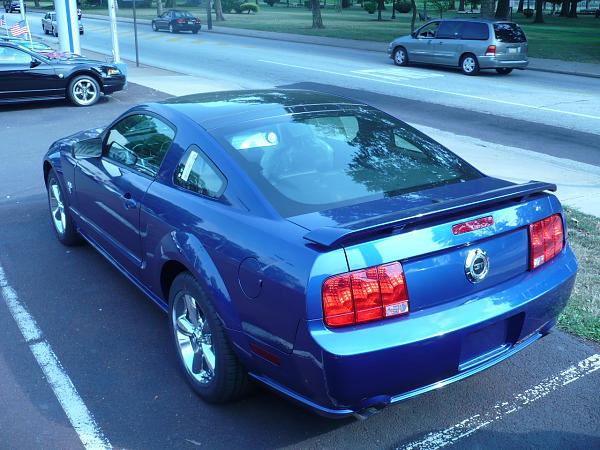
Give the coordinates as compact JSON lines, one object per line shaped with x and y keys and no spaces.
{"x":28,"y":30}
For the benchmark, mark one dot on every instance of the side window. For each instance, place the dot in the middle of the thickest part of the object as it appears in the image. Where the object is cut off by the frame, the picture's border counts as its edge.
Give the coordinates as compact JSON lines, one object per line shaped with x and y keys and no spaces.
{"x":12,"y":56}
{"x":477,"y":31}
{"x":140,"y":142}
{"x":428,"y":31}
{"x":196,"y":173}
{"x":450,"y":29}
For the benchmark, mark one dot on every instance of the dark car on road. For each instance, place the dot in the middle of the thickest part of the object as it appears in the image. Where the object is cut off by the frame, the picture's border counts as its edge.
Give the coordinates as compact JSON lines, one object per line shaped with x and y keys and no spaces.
{"x":29,"y":76}
{"x":472,"y":45}
{"x":13,"y":6}
{"x":175,"y":21}
{"x":313,"y":243}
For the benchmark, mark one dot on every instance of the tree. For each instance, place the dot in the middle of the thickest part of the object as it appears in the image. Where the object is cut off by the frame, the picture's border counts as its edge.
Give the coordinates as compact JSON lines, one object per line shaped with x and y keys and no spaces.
{"x":380,"y":7}
{"x":539,"y":11}
{"x":317,"y":20}
{"x":520,"y":8}
{"x":219,"y":11}
{"x":413,"y":8}
{"x":564,"y":10}
{"x":502,"y":9}
{"x":461,"y":5}
{"x":159,"y":7}
{"x":573,"y":10}
{"x":487,"y":9}
{"x":441,"y":6}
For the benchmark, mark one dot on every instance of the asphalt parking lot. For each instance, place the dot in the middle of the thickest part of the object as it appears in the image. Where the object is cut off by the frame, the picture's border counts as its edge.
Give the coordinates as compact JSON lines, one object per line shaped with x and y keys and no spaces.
{"x":114,"y":346}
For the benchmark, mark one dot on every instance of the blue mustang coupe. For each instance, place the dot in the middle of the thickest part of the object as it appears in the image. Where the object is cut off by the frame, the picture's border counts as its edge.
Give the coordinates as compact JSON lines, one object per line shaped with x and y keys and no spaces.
{"x":313,"y":243}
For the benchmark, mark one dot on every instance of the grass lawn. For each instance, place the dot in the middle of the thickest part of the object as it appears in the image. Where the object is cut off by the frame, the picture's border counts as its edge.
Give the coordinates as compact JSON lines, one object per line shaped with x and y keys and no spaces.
{"x":582,"y":315}
{"x":559,"y":38}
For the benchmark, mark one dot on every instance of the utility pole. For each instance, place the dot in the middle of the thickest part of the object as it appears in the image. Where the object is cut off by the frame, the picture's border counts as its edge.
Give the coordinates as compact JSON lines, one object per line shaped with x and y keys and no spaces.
{"x":112,"y":14}
{"x":68,"y":26}
{"x":208,"y":14}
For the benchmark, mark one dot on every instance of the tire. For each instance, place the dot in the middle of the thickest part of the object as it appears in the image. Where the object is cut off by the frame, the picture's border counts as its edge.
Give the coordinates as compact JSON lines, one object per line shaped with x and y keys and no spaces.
{"x":469,"y":64}
{"x":60,"y":217}
{"x":172,"y":29}
{"x":504,"y":71}
{"x":154,"y":27}
{"x":45,"y":31}
{"x":83,"y":90}
{"x":400,"y":56}
{"x":54,"y":32}
{"x":195,"y":31}
{"x":201,"y":342}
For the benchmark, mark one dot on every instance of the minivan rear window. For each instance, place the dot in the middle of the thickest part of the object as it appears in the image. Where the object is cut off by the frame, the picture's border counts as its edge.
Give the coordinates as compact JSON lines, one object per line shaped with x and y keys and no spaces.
{"x":509,"y":32}
{"x":478,"y":31}
{"x":314,"y":161}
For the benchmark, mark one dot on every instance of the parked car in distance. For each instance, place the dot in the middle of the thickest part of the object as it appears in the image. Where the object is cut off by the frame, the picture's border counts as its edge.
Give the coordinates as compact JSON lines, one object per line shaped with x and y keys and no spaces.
{"x":35,"y":46}
{"x":471,"y":45}
{"x":29,"y":76}
{"x":50,"y":25}
{"x":11,"y":6}
{"x":313,"y":243}
{"x":175,"y":21}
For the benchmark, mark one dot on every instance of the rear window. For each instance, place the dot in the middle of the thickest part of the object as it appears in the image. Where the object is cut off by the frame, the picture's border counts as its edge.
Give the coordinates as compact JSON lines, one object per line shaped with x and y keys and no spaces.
{"x":310,"y":162}
{"x":179,"y":14}
{"x":509,"y":32}
{"x":475,"y":31}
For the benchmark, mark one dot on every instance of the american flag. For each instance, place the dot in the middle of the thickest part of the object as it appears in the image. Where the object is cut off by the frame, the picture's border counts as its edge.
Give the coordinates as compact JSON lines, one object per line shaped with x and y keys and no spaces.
{"x":19,"y":28}
{"x":2,"y":21}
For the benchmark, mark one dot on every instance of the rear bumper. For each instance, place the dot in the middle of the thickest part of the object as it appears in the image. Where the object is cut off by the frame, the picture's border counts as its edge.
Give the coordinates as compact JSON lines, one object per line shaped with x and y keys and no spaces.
{"x":371,"y":366}
{"x":493,"y":62}
{"x":187,"y":27}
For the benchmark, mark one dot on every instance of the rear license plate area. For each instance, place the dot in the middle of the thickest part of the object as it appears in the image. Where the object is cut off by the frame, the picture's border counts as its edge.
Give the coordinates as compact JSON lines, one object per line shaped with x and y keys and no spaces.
{"x":488,"y":342}
{"x":513,"y":50}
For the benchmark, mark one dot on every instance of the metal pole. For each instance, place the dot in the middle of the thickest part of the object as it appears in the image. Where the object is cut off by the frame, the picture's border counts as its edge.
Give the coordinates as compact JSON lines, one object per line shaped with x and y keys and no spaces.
{"x":208,"y":14}
{"x":112,"y":13}
{"x":68,"y":26}
{"x":22,"y":9}
{"x":137,"y":54}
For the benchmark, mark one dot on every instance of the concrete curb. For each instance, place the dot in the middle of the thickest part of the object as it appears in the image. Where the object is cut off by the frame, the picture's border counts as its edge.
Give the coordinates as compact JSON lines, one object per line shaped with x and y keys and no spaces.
{"x":535,"y":64}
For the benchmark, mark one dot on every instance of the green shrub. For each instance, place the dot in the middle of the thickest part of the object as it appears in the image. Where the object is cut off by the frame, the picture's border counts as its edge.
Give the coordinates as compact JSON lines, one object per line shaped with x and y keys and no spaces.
{"x":403,"y":7}
{"x":228,"y":5}
{"x":248,"y":8}
{"x":370,"y":7}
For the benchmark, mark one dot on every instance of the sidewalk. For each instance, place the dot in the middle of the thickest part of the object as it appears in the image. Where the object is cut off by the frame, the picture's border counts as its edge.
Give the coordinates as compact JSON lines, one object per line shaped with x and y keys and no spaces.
{"x":536,"y":64}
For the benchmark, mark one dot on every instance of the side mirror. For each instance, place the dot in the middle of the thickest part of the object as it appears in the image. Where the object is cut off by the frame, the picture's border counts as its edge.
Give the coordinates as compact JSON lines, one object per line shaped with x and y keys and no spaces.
{"x":34,"y":63}
{"x":88,"y":148}
{"x":413,"y":34}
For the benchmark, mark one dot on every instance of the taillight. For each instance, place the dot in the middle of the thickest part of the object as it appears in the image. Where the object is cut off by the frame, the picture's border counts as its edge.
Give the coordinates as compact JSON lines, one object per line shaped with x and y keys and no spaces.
{"x":491,"y":50}
{"x":546,"y":240}
{"x":180,"y":20}
{"x":365,"y":295}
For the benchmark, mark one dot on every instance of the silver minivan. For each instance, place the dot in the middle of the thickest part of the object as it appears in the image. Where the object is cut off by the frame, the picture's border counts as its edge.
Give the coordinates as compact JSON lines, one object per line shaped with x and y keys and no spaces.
{"x":471,"y":45}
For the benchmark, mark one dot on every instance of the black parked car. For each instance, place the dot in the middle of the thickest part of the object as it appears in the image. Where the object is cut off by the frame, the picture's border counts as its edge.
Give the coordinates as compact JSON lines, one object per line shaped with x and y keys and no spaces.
{"x":13,"y":6}
{"x":29,"y":76}
{"x":176,"y":21}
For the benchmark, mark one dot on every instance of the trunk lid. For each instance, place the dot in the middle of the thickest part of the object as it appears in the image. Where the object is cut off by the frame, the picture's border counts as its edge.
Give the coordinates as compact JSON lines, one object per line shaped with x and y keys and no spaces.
{"x":420,"y":235}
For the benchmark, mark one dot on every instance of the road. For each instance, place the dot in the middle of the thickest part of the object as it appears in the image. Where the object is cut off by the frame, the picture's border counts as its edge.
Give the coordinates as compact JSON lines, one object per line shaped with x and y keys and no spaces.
{"x":114,"y":345}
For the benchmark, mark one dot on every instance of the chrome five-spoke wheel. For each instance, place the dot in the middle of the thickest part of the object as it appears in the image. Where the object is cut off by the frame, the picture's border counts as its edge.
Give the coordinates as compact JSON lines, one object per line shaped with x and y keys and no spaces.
{"x":57,"y":207}
{"x":194,"y":338}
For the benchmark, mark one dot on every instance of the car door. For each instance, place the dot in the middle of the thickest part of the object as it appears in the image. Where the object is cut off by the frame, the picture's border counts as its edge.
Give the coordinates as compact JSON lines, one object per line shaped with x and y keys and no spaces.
{"x":420,"y":48}
{"x":110,"y":189}
{"x":24,"y":76}
{"x":164,"y":20}
{"x":447,"y":44}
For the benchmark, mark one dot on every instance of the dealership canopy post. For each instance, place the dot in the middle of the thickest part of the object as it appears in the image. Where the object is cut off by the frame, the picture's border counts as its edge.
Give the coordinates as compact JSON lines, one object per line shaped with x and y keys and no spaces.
{"x":68,"y":26}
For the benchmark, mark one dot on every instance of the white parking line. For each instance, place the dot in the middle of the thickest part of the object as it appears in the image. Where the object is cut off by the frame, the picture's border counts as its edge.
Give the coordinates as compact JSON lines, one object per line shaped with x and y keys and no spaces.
{"x":80,"y":417}
{"x":399,"y":73}
{"x":421,"y":88}
{"x":469,"y":426}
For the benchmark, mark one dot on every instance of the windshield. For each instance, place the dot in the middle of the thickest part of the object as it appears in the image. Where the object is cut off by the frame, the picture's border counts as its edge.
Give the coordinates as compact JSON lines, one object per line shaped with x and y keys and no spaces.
{"x":310,"y":162}
{"x":509,"y":32}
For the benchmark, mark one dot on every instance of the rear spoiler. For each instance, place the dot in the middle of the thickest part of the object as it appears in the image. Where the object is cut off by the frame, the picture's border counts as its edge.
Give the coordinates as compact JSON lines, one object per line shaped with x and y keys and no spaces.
{"x":335,"y":236}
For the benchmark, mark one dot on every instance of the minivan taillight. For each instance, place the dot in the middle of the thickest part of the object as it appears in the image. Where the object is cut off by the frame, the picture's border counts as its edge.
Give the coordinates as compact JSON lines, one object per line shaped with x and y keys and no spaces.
{"x":546,"y":240}
{"x":365,"y":295}
{"x":491,"y":50}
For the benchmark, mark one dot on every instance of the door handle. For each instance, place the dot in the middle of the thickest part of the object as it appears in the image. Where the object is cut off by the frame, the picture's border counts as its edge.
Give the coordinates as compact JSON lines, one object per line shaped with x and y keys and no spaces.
{"x":129,"y":202}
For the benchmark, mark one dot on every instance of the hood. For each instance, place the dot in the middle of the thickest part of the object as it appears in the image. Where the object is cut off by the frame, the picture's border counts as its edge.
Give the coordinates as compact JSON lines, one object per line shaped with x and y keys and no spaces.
{"x":339,"y":217}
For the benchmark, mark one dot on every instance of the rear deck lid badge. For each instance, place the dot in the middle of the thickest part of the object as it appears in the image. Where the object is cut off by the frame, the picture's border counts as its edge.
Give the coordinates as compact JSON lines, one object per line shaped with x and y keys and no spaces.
{"x":477,"y":265}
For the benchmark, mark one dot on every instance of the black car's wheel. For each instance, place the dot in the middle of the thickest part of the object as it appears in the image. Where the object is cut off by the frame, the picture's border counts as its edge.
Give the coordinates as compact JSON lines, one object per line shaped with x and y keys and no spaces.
{"x":195,"y":30}
{"x":172,"y":29}
{"x":203,"y":348}
{"x":400,"y":57}
{"x":59,"y":212}
{"x":154,"y":27}
{"x":45,"y":31}
{"x":469,"y":64}
{"x":84,"y":90}
{"x":54,"y":32}
{"x":504,"y":71}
